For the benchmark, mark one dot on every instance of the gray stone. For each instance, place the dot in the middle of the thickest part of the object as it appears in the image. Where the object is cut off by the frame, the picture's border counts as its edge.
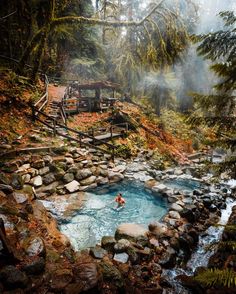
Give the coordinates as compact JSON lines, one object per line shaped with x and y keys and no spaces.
{"x":43,"y":171}
{"x":72,"y":186}
{"x":69,"y":160}
{"x":121,"y":257}
{"x":115,"y":177}
{"x":48,"y":179}
{"x":176,"y":207}
{"x":49,"y":189}
{"x":17,"y":181}
{"x":102,"y":181}
{"x":83,"y":174}
{"x":98,"y":252}
{"x":130,"y":231}
{"x":157,"y":228}
{"x":20,"y":198}
{"x":36,"y":181}
{"x":26,"y":178}
{"x":122,"y":245}
{"x":47,"y":159}
{"x":68,"y":177}
{"x":174,"y":214}
{"x":88,"y":181}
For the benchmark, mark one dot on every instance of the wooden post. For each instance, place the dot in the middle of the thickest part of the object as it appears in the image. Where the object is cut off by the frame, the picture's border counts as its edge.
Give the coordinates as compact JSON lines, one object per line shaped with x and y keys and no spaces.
{"x":113,"y":154}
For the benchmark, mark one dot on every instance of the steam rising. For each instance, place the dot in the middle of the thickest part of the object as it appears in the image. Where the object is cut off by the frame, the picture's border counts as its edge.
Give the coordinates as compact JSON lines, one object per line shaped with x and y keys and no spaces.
{"x":193,"y":73}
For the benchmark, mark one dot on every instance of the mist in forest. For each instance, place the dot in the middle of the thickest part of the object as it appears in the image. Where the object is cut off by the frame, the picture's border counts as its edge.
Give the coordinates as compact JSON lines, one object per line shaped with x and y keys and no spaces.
{"x":192,"y":74}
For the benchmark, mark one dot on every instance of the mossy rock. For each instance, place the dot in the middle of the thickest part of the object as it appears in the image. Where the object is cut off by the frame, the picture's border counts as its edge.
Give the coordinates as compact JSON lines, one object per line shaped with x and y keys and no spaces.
{"x":111,"y":274}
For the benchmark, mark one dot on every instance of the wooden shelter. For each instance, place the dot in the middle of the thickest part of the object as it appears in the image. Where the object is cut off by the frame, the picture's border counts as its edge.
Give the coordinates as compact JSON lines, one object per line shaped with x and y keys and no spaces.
{"x":89,"y":97}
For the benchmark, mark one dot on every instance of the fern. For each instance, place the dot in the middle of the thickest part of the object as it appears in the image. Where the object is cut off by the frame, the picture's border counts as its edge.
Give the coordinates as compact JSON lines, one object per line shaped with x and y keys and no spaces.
{"x":217,"y":277}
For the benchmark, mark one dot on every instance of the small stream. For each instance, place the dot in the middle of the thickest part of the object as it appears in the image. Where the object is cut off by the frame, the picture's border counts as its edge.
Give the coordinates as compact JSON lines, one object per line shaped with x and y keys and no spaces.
{"x":200,"y":257}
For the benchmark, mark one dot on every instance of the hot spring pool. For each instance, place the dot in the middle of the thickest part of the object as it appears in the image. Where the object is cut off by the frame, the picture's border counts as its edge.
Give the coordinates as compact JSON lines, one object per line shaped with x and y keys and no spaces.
{"x":183,"y":184}
{"x":98,"y":218}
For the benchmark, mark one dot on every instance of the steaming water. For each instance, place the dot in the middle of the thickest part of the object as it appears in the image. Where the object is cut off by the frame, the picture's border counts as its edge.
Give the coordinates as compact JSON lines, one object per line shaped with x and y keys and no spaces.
{"x":183,"y":184}
{"x":98,"y":218}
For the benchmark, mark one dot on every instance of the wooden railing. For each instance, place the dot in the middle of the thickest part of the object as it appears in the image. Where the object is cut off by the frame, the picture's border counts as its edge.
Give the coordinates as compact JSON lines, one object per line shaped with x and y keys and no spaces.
{"x":42,"y":102}
{"x":80,"y":135}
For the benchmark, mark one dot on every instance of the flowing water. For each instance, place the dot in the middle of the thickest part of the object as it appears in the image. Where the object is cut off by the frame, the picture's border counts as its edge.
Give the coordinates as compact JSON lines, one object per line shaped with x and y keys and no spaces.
{"x":98,"y":216}
{"x":200,"y":257}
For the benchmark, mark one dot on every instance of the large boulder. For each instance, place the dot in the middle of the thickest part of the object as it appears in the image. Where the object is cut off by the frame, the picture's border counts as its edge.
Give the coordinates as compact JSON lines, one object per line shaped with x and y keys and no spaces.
{"x":130,"y":232}
{"x":36,"y":181}
{"x":83,"y":174}
{"x":48,"y":179}
{"x":87,"y":273}
{"x":158,"y":229}
{"x":88,"y":181}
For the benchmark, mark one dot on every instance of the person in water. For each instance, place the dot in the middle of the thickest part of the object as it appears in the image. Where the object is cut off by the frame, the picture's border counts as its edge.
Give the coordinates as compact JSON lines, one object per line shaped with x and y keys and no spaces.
{"x":120,"y":200}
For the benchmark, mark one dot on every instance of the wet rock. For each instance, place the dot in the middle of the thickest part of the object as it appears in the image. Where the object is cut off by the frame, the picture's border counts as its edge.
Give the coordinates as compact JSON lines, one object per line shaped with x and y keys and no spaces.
{"x":102,"y":181}
{"x":122,"y":245}
{"x":72,"y":186}
{"x":36,"y":181}
{"x":48,"y":179}
{"x":35,"y":247}
{"x":174,"y":214}
{"x":47,"y":159}
{"x":168,"y":258}
{"x":88,"y":181}
{"x":98,"y":252}
{"x":115,"y":177}
{"x":157,"y":228}
{"x":190,"y":283}
{"x":12,"y":278}
{"x":161,"y":188}
{"x":6,"y":188}
{"x":35,"y":267}
{"x":108,"y":243}
{"x":111,"y":274}
{"x":121,"y":257}
{"x":60,"y":279}
{"x":83,"y":174}
{"x":68,"y":177}
{"x":88,"y":274}
{"x":130,"y":232}
{"x":17,"y":181}
{"x":176,"y":207}
{"x":87,"y":188}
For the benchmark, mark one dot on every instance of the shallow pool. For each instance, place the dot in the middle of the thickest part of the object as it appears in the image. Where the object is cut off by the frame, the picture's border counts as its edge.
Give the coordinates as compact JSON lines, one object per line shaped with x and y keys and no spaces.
{"x":98,"y":218}
{"x":183,"y":184}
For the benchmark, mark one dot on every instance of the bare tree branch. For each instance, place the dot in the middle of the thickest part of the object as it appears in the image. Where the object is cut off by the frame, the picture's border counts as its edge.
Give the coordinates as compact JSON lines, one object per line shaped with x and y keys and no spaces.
{"x":4,"y":17}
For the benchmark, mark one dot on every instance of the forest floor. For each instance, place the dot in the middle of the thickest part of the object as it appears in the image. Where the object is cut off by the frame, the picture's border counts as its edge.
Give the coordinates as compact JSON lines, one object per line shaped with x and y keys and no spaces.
{"x":168,"y":137}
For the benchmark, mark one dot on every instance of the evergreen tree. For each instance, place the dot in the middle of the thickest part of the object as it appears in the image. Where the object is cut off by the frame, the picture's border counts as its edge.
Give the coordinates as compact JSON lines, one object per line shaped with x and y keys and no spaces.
{"x":219,"y":107}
